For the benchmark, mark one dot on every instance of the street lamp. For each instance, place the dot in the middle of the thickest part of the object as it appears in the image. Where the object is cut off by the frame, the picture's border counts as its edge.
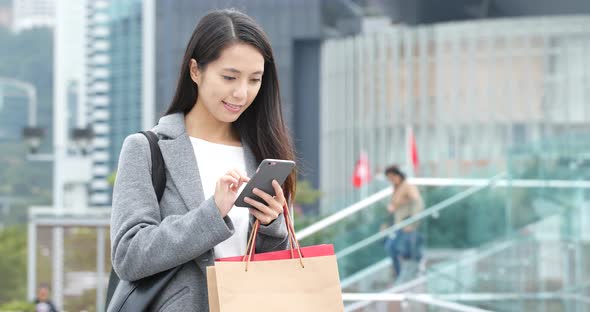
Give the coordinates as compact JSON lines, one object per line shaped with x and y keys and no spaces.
{"x":73,"y":177}
{"x":33,"y":136}
{"x":82,"y":138}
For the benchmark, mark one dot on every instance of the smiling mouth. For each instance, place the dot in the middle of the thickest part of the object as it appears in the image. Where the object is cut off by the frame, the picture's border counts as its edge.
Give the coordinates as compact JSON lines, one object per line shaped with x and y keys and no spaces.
{"x":231,"y":107}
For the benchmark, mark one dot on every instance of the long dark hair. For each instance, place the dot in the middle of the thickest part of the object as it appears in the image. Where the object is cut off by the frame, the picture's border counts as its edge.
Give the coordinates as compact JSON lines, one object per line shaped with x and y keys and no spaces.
{"x":261,"y":126}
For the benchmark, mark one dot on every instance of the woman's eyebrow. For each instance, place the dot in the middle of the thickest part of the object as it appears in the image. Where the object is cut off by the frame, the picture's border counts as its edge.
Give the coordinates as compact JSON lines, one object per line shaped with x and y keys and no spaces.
{"x":233,"y":70}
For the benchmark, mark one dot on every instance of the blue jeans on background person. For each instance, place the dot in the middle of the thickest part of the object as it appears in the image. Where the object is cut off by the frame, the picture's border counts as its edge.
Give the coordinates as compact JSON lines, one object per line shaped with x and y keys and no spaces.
{"x":407,"y":245}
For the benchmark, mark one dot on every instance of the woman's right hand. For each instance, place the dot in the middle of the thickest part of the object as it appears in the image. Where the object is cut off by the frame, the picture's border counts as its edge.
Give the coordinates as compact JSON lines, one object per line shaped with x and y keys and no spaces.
{"x":226,"y":190}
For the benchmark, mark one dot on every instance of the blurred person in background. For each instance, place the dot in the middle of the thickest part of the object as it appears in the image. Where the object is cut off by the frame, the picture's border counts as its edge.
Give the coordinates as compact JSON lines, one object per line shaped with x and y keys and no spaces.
{"x":224,"y":119}
{"x":404,"y":244}
{"x":42,"y":302}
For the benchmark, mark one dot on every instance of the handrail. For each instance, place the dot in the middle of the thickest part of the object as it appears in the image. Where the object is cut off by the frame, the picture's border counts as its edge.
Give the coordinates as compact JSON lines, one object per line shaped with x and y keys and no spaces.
{"x":576,"y":288}
{"x":518,"y":183}
{"x":320,"y":225}
{"x":515,"y":183}
{"x":417,"y":217}
{"x":420,"y":298}
{"x":463,"y":297}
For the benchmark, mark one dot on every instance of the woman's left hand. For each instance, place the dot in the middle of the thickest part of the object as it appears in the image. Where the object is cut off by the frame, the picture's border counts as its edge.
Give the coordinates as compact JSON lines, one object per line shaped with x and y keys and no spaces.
{"x":269,"y":211}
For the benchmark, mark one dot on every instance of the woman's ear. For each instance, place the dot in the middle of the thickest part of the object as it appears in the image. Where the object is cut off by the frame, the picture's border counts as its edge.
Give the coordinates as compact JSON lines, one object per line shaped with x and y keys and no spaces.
{"x":194,"y":71}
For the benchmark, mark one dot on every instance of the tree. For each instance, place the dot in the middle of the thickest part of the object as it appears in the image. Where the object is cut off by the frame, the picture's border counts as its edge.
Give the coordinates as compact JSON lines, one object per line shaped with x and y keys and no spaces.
{"x":13,"y":263}
{"x":21,"y":306}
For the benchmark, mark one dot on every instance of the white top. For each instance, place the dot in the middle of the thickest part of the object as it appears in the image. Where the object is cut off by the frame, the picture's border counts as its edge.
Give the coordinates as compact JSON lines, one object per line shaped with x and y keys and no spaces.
{"x":214,"y":160}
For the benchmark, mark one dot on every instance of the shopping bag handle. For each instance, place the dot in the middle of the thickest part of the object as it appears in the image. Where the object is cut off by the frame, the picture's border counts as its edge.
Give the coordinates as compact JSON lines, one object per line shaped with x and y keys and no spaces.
{"x":291,"y":234}
{"x":251,"y":246}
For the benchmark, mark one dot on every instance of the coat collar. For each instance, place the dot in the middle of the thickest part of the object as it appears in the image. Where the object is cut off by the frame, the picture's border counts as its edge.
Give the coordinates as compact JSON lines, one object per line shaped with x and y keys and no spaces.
{"x":179,"y":157}
{"x":171,"y":126}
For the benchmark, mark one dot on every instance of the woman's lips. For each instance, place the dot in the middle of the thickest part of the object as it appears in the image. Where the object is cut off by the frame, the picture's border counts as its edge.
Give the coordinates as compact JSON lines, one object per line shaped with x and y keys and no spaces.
{"x":232,"y":108}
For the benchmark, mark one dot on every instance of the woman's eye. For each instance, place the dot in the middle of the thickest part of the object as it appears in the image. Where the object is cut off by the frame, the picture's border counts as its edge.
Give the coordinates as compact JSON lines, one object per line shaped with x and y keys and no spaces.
{"x":229,"y":78}
{"x":255,"y":80}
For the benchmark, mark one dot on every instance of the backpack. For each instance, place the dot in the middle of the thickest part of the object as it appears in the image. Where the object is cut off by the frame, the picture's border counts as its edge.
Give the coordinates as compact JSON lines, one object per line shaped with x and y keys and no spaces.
{"x":137,"y":295}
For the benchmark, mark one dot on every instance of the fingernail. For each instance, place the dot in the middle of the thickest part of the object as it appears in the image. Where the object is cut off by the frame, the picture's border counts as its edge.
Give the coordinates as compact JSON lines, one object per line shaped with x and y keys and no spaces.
{"x":255,"y":189}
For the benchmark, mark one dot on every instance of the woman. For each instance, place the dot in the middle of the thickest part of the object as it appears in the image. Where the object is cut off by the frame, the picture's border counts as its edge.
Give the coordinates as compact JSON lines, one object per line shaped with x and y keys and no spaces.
{"x":224,"y":119}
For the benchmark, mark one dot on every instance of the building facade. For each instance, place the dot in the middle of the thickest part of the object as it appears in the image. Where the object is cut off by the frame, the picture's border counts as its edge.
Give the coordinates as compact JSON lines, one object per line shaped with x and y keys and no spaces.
{"x":98,"y":86}
{"x":469,"y":91}
{"x":27,"y":14}
{"x":125,"y":74}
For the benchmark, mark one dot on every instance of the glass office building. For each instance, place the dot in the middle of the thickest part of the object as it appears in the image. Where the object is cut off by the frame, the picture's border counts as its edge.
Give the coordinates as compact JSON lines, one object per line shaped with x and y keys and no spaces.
{"x":125,"y":78}
{"x":469,"y":92}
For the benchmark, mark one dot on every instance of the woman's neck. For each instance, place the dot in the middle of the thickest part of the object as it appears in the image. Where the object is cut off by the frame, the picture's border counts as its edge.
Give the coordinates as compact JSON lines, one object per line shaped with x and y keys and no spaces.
{"x":201,"y":124}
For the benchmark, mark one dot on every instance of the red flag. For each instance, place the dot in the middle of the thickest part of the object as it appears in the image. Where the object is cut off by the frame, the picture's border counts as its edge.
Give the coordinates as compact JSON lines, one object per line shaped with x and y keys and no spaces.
{"x":362,"y":172}
{"x":412,"y":160}
{"x":414,"y":152}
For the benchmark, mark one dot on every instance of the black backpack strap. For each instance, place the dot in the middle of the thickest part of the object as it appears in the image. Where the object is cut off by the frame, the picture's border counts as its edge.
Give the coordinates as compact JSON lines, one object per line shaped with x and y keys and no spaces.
{"x":112,"y":285}
{"x":158,"y":166}
{"x":159,"y":183}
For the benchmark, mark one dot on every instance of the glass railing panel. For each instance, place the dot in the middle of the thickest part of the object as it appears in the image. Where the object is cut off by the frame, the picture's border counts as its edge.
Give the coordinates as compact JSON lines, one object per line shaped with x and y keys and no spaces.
{"x":471,"y":226}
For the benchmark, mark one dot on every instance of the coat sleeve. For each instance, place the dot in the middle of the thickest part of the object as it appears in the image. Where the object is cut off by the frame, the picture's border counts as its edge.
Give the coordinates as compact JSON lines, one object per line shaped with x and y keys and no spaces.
{"x":273,"y":236}
{"x":142,"y":244}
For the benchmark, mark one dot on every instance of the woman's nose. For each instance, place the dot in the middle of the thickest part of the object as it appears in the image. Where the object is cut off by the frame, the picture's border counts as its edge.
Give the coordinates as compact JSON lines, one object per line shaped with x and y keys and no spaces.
{"x":241,"y":91}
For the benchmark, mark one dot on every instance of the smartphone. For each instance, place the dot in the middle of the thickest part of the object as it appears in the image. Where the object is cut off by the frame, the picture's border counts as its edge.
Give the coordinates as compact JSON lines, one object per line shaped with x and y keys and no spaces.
{"x":268,"y":170}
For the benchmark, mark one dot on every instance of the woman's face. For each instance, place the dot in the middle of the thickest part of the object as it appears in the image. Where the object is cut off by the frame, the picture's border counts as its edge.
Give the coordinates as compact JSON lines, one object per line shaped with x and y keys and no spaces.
{"x":228,"y":85}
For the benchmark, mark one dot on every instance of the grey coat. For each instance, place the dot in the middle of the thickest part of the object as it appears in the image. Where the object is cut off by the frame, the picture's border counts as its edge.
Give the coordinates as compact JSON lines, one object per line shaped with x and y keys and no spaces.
{"x":147,"y":237}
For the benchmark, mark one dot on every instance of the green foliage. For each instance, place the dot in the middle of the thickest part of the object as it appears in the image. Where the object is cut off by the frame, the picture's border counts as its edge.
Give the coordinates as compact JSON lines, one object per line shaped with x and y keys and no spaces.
{"x":111,"y":178}
{"x":85,"y":302}
{"x":20,"y":306}
{"x":468,"y":223}
{"x":81,"y":249}
{"x":13,"y":263}
{"x":306,"y":193}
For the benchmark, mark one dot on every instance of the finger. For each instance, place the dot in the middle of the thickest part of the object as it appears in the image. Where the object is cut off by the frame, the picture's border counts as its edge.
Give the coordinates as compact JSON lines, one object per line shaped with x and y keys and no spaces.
{"x":260,"y":216}
{"x":235,"y":174}
{"x":243,"y":179}
{"x":228,"y":179}
{"x":240,"y":176}
{"x":280,"y":197}
{"x":271,"y":201}
{"x":258,"y":205}
{"x":243,"y":175}
{"x":264,"y":195}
